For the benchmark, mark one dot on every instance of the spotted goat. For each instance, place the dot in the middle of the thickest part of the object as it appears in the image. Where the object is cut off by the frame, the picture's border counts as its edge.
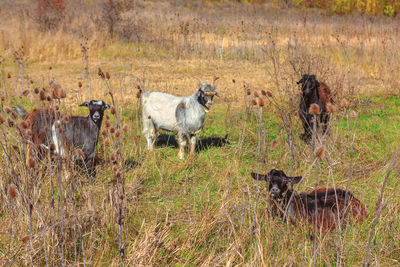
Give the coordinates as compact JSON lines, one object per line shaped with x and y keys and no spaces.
{"x":184,"y":115}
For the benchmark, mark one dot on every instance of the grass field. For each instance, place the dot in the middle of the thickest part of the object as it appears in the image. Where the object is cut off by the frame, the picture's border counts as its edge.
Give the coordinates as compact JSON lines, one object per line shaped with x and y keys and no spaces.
{"x":156,"y":210}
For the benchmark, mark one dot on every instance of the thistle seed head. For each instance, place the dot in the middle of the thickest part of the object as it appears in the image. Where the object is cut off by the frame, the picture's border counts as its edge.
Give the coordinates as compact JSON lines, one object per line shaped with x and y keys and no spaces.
{"x":320,"y":151}
{"x":314,"y":109}
{"x":330,"y":107}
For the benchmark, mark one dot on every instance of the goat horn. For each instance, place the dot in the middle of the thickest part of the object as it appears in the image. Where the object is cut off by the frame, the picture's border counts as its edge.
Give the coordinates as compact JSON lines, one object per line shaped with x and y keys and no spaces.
{"x":214,"y":79}
{"x":200,"y":80}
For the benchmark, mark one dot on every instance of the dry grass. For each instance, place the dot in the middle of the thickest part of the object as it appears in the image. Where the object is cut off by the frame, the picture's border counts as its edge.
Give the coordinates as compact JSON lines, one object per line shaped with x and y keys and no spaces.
{"x":199,"y":211}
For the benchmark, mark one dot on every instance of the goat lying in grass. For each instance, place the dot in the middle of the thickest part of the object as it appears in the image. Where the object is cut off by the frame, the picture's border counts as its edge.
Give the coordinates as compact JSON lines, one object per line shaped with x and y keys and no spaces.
{"x":331,"y":203}
{"x":314,"y":92}
{"x":184,"y":115}
{"x":63,"y":136}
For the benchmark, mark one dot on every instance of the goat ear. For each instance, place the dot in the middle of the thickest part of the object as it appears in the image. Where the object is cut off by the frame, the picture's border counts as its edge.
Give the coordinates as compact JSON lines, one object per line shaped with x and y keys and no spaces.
{"x":301,"y":81}
{"x":260,"y":177}
{"x":295,"y":180}
{"x":84,"y":104}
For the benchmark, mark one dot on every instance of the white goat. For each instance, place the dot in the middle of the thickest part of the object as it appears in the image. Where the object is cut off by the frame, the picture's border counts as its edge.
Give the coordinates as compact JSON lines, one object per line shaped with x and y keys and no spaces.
{"x":184,"y":115}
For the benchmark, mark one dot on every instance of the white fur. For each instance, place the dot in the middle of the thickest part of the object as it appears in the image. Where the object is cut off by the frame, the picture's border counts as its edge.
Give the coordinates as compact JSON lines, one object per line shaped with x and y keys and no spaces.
{"x":56,"y":140}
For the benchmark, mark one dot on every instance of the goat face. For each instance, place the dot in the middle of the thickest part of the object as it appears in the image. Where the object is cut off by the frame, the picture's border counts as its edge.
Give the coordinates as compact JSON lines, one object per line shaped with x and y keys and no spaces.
{"x":277,"y":182}
{"x":96,"y":109}
{"x":206,"y":94}
{"x":308,"y":84}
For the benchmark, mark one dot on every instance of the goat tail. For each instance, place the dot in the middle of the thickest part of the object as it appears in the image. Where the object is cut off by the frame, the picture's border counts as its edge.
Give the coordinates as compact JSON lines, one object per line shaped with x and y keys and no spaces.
{"x":21,"y":111}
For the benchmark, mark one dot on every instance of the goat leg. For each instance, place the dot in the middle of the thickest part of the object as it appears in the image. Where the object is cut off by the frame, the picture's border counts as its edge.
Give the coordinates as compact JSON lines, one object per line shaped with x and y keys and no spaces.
{"x":182,"y":143}
{"x":192,"y":143}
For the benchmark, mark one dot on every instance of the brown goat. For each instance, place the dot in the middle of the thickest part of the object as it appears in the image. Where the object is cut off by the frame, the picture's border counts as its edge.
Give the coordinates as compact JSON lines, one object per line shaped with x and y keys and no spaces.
{"x":331,"y":204}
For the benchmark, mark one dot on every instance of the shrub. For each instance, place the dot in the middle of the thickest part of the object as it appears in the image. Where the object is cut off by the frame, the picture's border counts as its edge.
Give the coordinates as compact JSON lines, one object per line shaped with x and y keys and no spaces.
{"x":49,"y":13}
{"x":112,"y":11}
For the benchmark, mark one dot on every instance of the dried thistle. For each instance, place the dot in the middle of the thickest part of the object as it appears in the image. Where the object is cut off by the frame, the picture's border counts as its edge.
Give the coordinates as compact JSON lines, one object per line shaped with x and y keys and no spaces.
{"x":314,"y":109}
{"x":104,"y":132}
{"x":9,"y":75}
{"x":125,"y":128}
{"x":63,"y":94}
{"x":107,"y":75}
{"x":274,"y":144}
{"x":79,"y":153}
{"x":25,"y":92}
{"x":117,"y":134}
{"x":112,"y":110}
{"x":79,"y":84}
{"x":256,"y":94}
{"x":107,"y":142}
{"x":101,"y":74}
{"x":260,"y":102}
{"x":344,"y":103}
{"x":254,"y":102}
{"x":31,"y":163}
{"x":24,"y":125}
{"x":107,"y":123}
{"x":1,"y":119}
{"x":330,"y":107}
{"x":269,"y":94}
{"x":112,"y":130}
{"x":263,"y":92}
{"x":36,"y":90}
{"x":25,"y":239}
{"x":12,"y":191}
{"x":248,"y":92}
{"x":320,"y":151}
{"x":115,"y":168}
{"x":42,"y":95}
{"x":7,"y":110}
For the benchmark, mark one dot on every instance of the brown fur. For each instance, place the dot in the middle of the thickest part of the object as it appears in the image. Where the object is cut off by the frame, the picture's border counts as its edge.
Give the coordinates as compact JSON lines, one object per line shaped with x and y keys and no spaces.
{"x":325,"y":95}
{"x":40,"y":122}
{"x":329,"y":210}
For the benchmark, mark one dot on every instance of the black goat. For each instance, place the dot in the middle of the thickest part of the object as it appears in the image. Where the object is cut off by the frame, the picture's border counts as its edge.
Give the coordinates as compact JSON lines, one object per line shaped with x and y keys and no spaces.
{"x":314,"y":92}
